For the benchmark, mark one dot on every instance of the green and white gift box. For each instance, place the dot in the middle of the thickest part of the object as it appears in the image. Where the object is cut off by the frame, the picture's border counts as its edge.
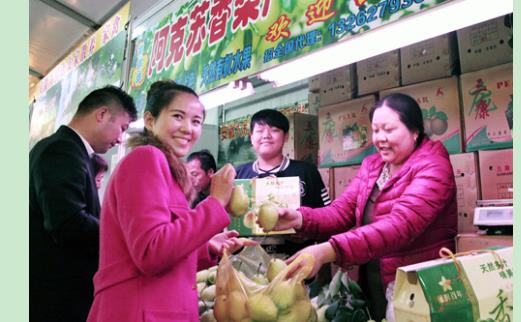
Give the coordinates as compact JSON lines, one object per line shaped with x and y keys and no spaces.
{"x":475,"y":287}
{"x":282,"y":192}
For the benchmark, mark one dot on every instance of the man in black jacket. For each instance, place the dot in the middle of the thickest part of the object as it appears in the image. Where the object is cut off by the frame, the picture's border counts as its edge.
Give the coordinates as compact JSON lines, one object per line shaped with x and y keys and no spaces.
{"x":64,"y":206}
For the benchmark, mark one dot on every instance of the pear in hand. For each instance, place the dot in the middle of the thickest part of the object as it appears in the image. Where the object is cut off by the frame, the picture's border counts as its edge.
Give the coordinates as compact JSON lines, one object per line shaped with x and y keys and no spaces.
{"x":268,"y":216}
{"x":275,"y":266}
{"x":239,"y":202}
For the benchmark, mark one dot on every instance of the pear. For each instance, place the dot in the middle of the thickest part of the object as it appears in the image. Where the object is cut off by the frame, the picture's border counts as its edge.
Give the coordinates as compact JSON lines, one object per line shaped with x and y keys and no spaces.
{"x":208,"y":316}
{"x":212,"y":275}
{"x":289,"y":316}
{"x":237,"y":306}
{"x":303,"y":310}
{"x":268,"y":216}
{"x":250,"y":285}
{"x":301,"y":292}
{"x":208,"y":294}
{"x":283,"y":294}
{"x":260,"y":279}
{"x":200,"y":287}
{"x":220,"y":308}
{"x":239,"y":202}
{"x":275,"y":266}
{"x":262,"y":308}
{"x":202,"y":276}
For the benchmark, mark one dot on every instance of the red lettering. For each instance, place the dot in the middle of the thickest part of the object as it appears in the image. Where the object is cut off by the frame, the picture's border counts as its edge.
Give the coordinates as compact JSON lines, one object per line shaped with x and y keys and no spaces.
{"x":220,"y":12}
{"x":177,"y":34}
{"x":197,"y":33}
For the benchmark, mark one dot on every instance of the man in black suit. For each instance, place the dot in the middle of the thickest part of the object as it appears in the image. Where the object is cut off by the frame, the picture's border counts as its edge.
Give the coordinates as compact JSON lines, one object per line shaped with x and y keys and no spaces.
{"x":64,"y":206}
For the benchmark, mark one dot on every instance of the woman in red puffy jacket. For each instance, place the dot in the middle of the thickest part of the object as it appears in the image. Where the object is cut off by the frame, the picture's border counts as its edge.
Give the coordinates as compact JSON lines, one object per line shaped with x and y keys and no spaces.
{"x":400,"y":208}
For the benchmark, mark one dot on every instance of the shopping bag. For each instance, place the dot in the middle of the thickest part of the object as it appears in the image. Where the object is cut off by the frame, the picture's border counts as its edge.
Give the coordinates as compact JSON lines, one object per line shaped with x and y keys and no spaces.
{"x":242,"y":294}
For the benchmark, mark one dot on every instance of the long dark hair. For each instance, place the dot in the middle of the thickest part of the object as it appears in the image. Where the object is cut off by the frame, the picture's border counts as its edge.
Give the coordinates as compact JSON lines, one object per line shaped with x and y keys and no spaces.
{"x":407,"y":108}
{"x":159,"y":96}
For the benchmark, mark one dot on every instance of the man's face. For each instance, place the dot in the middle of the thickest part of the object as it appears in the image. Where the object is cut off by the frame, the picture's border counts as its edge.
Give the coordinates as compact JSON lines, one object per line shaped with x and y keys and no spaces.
{"x":268,"y":141}
{"x":111,"y":129}
{"x":200,"y":179}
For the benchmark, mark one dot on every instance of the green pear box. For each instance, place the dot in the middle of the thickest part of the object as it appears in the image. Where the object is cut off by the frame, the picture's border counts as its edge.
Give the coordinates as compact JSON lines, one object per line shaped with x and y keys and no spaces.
{"x":345,"y":132}
{"x":283,"y":192}
{"x":487,"y":97}
{"x":440,"y":104}
{"x":476,"y":288}
{"x":302,"y":143}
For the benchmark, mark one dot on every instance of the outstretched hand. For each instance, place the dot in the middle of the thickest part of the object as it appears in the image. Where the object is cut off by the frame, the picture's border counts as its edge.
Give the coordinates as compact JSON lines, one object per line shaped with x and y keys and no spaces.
{"x":288,"y":218}
{"x":228,"y":240}
{"x":323,"y":253}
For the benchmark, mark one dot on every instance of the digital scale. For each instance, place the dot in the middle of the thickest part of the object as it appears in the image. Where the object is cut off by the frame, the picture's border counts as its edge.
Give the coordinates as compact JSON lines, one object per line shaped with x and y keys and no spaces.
{"x":496,"y":217}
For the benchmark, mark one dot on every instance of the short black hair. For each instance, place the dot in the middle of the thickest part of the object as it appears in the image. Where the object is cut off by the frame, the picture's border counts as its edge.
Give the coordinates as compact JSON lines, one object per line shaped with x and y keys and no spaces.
{"x":407,"y":108}
{"x":205,"y":158}
{"x":100,"y":165}
{"x":270,"y":117}
{"x":111,"y":96}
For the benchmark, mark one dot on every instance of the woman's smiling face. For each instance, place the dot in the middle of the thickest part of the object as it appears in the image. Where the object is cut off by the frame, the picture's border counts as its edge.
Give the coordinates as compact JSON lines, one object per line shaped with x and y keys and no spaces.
{"x":391,"y":137}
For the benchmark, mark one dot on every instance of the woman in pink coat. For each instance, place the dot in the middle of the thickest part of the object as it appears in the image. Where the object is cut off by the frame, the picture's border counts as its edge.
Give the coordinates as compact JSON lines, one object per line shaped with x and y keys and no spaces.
{"x":400,"y":209}
{"x":152,"y":243}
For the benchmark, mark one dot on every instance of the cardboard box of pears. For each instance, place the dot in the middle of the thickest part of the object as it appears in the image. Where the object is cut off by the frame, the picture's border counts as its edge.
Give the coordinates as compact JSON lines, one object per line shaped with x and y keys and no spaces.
{"x":254,"y":199}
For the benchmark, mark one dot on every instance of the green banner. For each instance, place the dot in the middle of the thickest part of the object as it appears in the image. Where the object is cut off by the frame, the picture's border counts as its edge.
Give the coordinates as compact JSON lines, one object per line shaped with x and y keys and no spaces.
{"x":206,"y":43}
{"x":57,"y":105}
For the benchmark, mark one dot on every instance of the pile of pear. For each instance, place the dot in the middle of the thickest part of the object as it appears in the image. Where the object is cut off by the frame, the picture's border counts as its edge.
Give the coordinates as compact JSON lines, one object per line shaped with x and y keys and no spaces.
{"x":206,"y":291}
{"x":267,"y":212}
{"x":262,"y":298}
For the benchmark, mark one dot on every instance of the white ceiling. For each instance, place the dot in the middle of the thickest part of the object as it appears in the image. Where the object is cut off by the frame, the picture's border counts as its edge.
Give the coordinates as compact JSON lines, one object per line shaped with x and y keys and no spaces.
{"x":57,"y":27}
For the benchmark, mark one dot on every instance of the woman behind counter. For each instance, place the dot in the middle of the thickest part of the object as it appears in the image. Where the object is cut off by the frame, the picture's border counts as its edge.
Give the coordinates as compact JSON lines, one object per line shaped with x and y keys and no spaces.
{"x":400,"y":208}
{"x":151,"y":242}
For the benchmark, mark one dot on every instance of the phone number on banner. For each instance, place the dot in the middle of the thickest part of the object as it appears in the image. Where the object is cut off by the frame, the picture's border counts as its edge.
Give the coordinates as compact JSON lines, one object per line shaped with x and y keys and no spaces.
{"x":363,"y":17}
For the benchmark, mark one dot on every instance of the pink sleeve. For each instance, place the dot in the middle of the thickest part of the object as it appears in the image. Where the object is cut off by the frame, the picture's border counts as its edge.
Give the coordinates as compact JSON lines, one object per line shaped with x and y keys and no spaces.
{"x":205,"y":258}
{"x":431,"y":188}
{"x":338,"y":217}
{"x":160,"y":231}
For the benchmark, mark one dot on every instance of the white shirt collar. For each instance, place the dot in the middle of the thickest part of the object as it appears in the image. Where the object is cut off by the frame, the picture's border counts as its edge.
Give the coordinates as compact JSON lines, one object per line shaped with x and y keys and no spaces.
{"x":283,"y":166}
{"x":88,"y":147}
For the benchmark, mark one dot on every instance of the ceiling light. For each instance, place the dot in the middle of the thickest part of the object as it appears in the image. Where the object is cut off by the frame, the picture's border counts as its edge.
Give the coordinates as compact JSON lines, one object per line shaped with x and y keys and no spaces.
{"x":225,"y":94}
{"x":441,"y":19}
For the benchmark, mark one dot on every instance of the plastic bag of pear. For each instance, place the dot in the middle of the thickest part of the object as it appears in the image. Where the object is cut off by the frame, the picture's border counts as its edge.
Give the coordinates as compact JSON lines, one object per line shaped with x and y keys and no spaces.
{"x":252,"y":287}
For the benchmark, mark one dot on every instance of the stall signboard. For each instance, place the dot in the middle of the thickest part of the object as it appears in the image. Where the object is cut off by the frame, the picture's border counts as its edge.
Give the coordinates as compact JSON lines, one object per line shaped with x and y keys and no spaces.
{"x":234,"y":138}
{"x":206,"y":44}
{"x":95,"y":63}
{"x":102,"y":68}
{"x":113,"y":27}
{"x":282,"y":192}
{"x":475,"y":287}
{"x":43,"y":115}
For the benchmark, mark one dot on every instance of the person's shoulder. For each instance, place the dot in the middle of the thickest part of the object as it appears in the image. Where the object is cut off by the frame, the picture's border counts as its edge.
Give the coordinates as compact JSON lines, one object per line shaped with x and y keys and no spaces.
{"x":244,"y":166}
{"x":146,"y":151}
{"x":303,"y":165}
{"x":54,"y":144}
{"x":245,"y":171}
{"x":432,"y":151}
